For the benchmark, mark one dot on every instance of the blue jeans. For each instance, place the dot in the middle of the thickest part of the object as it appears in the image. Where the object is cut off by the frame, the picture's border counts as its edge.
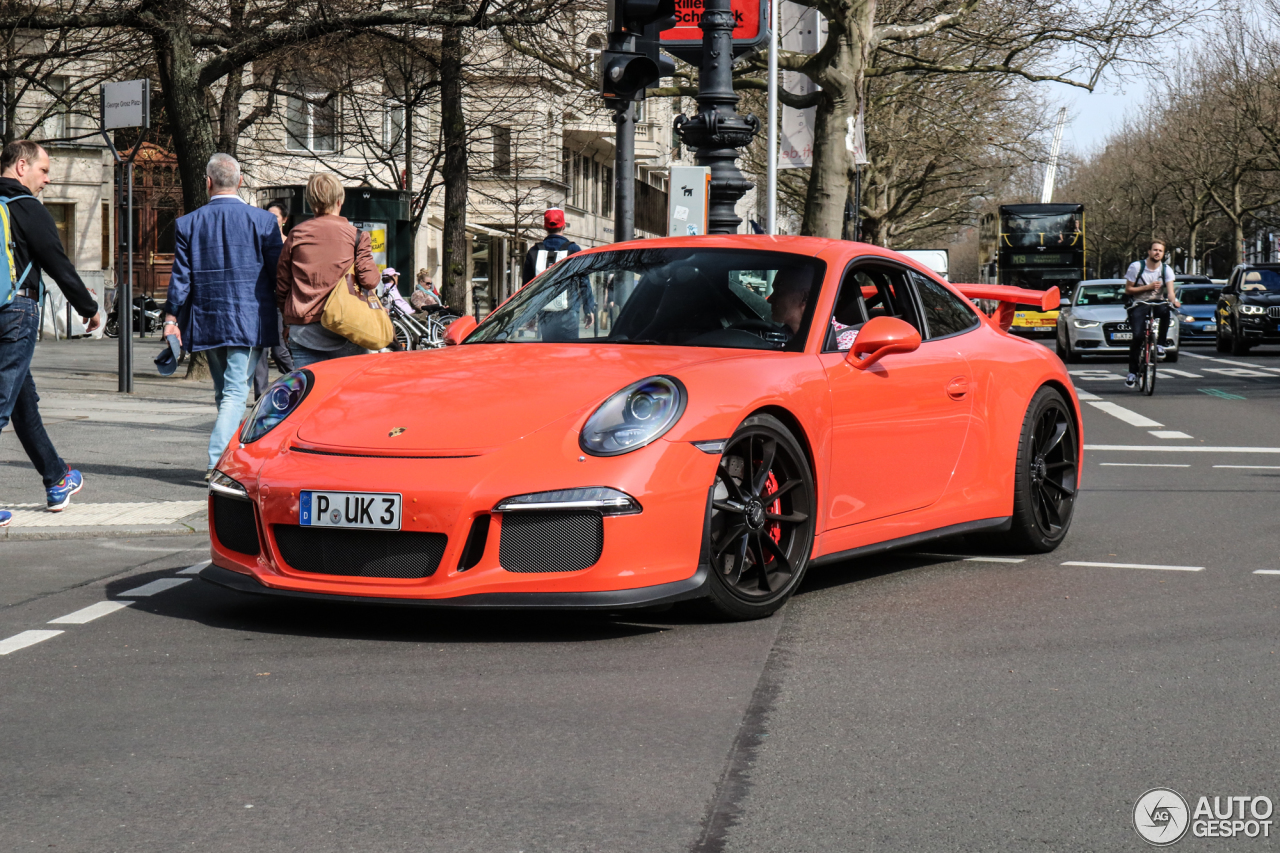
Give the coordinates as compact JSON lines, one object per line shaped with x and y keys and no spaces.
{"x":303,"y":356}
{"x":19,"y":322}
{"x":232,"y":369}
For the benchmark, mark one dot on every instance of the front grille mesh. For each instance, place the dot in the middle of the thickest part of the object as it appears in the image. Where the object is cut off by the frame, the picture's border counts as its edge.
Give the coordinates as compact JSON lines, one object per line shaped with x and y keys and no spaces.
{"x":234,"y":525}
{"x":1274,"y":312}
{"x":360,"y":553}
{"x":550,"y":541}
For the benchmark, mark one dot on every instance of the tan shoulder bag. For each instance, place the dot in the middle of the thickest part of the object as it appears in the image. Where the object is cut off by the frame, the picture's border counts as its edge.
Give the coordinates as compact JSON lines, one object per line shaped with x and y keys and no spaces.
{"x":355,"y":316}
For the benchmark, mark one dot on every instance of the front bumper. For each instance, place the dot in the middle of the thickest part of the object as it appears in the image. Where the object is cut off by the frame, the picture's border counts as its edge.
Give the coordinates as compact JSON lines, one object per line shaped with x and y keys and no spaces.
{"x":1097,"y":340}
{"x":619,"y":599}
{"x":443,"y":499}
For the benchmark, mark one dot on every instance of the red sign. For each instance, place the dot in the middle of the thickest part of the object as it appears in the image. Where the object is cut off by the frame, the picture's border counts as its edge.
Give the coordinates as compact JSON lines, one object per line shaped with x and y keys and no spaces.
{"x":747,"y":16}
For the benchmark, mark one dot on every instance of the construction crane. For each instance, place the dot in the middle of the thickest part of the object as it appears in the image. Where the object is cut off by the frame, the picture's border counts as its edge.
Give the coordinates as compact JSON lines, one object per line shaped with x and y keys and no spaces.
{"x":1046,"y":195}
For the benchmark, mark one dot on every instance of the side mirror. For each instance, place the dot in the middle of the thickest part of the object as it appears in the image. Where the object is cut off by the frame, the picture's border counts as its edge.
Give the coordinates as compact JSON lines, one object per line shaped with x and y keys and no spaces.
{"x":458,"y":330}
{"x":880,"y":336}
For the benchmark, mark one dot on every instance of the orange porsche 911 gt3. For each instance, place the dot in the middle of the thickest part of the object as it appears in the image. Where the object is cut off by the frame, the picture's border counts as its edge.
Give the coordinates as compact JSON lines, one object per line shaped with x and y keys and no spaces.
{"x":656,"y":421}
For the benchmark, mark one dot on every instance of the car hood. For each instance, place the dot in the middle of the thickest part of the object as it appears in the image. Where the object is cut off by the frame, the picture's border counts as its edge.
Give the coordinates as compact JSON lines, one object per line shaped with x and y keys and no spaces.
{"x":1100,"y":313}
{"x":474,"y":398}
{"x":1205,"y":312}
{"x":1267,"y":298}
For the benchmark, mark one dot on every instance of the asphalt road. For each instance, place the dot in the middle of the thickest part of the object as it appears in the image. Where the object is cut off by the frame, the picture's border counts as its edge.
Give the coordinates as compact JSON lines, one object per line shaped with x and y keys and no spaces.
{"x":911,"y":702}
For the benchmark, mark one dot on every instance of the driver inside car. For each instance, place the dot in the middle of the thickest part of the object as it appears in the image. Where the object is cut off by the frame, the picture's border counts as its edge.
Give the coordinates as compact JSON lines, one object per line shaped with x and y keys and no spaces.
{"x":789,"y":298}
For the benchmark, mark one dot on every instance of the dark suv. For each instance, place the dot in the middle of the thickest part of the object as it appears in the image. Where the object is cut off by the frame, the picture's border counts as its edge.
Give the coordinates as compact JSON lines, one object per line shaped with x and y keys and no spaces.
{"x":1249,"y":308}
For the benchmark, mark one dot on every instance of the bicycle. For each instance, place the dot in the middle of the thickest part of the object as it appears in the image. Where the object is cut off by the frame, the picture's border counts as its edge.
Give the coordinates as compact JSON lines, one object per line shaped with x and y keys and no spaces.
{"x":1148,"y":355}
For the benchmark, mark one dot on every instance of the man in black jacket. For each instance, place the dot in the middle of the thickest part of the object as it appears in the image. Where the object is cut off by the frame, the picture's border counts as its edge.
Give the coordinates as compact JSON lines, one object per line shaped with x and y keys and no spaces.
{"x":37,"y":249}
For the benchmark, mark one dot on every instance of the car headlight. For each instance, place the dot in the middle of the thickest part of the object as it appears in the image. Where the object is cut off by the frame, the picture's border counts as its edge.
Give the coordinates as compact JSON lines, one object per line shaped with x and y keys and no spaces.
{"x":275,"y":405}
{"x":221,"y":484}
{"x":637,"y":415}
{"x":1252,"y":309}
{"x":1186,"y":318}
{"x":1085,"y":324}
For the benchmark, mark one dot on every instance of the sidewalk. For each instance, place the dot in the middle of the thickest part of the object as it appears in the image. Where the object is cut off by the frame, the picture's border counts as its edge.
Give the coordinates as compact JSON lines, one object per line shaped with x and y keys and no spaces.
{"x":143,"y":455}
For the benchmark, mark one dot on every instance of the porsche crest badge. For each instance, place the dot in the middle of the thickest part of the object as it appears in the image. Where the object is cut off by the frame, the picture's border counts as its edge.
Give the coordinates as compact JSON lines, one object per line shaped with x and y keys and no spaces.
{"x":395,"y":432}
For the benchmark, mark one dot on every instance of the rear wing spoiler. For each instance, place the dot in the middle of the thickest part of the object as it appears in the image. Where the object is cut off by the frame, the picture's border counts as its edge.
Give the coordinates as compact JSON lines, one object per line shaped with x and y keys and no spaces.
{"x":1009,"y":298}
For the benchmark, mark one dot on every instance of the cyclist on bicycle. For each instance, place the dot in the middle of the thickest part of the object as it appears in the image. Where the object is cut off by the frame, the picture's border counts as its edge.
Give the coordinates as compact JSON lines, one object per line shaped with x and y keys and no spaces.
{"x":1142,"y":284}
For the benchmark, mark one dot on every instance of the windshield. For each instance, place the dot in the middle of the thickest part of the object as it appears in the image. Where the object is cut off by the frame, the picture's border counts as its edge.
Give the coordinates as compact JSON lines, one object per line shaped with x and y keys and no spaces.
{"x":1065,"y":279}
{"x":690,"y":297}
{"x":1260,"y":281}
{"x":1100,"y":294}
{"x":1199,"y":295}
{"x":1054,"y":230}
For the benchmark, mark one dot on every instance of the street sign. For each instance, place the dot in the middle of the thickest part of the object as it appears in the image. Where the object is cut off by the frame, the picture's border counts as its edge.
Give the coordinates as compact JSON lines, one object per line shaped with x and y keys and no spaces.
{"x":750,"y":32}
{"x":126,"y":104}
{"x":690,"y":190}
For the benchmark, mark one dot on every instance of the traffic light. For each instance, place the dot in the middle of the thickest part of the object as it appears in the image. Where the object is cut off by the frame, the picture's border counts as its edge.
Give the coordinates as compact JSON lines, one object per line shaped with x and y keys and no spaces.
{"x":633,"y":60}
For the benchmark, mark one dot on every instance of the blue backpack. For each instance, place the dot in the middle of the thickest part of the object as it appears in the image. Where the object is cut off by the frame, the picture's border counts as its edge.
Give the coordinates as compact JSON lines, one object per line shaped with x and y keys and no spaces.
{"x":8,"y":286}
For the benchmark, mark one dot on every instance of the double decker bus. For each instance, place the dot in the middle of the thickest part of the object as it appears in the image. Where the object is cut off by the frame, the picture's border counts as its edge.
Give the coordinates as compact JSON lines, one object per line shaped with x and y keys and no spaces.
{"x":1036,"y":246}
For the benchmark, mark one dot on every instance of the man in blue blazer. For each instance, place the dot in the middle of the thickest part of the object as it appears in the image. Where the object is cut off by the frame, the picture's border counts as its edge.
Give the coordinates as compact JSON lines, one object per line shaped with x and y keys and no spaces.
{"x":222,"y":292}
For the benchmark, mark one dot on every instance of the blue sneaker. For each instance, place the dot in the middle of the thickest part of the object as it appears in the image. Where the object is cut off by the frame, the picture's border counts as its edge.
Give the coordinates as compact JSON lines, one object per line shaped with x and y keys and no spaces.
{"x":5,"y":517}
{"x":60,"y":493}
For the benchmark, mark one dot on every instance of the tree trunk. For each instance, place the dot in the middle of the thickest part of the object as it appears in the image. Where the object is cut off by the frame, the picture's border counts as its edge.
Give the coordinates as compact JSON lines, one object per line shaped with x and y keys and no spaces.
{"x":843,"y":85}
{"x":188,"y":117}
{"x":229,"y":113}
{"x":454,"y":129}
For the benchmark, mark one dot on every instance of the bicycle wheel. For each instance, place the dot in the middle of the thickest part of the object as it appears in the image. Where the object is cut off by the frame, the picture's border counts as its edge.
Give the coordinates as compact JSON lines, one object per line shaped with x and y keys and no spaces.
{"x":1149,"y":369}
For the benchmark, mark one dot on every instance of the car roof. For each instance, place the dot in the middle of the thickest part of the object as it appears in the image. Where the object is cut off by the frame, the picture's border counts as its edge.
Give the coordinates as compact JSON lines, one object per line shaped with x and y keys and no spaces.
{"x":1102,"y":281}
{"x":1259,"y":267}
{"x":758,"y":242}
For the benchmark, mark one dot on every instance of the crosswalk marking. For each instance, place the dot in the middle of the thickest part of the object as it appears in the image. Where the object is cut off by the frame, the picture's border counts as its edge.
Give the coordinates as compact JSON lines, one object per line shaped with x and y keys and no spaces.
{"x":88,"y":614}
{"x":1130,"y":417}
{"x":26,"y":638}
{"x":148,"y":589}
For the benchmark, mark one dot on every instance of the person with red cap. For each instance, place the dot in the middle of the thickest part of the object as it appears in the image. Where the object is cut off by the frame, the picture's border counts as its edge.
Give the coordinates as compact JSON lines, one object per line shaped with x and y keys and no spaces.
{"x":555,"y":247}
{"x":558,"y":320}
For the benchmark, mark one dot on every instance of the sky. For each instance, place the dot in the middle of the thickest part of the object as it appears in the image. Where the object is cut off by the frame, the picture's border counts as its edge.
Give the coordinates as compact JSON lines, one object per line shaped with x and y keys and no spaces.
{"x":1093,"y":116}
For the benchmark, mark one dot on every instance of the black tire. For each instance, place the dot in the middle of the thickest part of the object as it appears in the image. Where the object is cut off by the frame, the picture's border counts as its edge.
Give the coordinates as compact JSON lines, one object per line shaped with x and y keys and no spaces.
{"x":1047,"y":474}
{"x":112,"y":328}
{"x":1238,"y":346}
{"x":1152,"y":361}
{"x":1220,"y":342}
{"x":1171,"y":358}
{"x":763,"y":489}
{"x":1063,"y":352}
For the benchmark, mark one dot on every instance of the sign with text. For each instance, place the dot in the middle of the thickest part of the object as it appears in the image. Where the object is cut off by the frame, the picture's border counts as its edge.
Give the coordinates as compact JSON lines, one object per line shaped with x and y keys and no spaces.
{"x":126,"y":104}
{"x":684,"y":40}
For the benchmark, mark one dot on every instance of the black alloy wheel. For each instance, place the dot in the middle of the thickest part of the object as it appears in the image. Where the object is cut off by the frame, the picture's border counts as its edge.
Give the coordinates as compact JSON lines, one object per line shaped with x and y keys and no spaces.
{"x":1047,"y":473}
{"x":762,"y":520}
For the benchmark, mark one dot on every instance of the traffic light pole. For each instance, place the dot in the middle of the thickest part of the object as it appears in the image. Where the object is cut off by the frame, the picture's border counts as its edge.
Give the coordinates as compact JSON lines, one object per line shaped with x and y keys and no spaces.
{"x":624,"y":173}
{"x":718,"y":131}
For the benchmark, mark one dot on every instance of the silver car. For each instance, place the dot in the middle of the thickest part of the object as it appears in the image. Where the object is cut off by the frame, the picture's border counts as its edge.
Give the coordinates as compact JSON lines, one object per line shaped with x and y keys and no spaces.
{"x":1095,"y":322}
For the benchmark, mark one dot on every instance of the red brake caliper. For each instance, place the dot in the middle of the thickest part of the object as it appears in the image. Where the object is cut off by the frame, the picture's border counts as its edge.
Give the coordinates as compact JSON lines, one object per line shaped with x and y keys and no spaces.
{"x":775,"y":530}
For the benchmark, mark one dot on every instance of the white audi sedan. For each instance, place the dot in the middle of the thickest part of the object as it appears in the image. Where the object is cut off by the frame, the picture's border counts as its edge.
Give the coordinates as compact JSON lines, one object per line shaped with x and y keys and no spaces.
{"x":1094,"y":322}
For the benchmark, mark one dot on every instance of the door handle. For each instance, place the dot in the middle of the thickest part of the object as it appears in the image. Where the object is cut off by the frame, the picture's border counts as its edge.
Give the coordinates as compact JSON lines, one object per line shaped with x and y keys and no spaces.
{"x":958,"y":388}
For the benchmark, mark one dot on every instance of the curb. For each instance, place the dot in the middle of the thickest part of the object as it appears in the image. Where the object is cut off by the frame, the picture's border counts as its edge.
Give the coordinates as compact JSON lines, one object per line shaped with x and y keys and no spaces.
{"x":11,"y":534}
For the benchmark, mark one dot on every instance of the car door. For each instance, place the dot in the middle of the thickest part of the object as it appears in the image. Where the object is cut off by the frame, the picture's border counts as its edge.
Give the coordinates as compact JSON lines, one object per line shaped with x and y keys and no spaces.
{"x":898,"y":428}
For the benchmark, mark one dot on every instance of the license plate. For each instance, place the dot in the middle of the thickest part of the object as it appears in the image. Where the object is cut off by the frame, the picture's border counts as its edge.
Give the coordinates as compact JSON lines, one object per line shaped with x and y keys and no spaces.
{"x":1122,"y":336}
{"x":367,"y":510}
{"x":1211,"y":328}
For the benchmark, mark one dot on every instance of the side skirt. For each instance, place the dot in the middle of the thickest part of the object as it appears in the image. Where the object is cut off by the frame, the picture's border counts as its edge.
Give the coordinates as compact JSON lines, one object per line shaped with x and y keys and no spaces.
{"x":992,"y":524}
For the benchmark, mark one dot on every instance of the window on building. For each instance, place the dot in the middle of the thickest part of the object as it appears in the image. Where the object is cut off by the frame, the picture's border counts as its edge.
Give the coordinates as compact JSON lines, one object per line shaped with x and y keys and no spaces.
{"x":393,"y":126}
{"x":639,"y":111}
{"x":312,"y":120}
{"x":56,"y":125}
{"x":565,"y":167}
{"x":106,"y":235}
{"x":606,"y":200}
{"x":64,"y":219}
{"x":502,"y":150}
